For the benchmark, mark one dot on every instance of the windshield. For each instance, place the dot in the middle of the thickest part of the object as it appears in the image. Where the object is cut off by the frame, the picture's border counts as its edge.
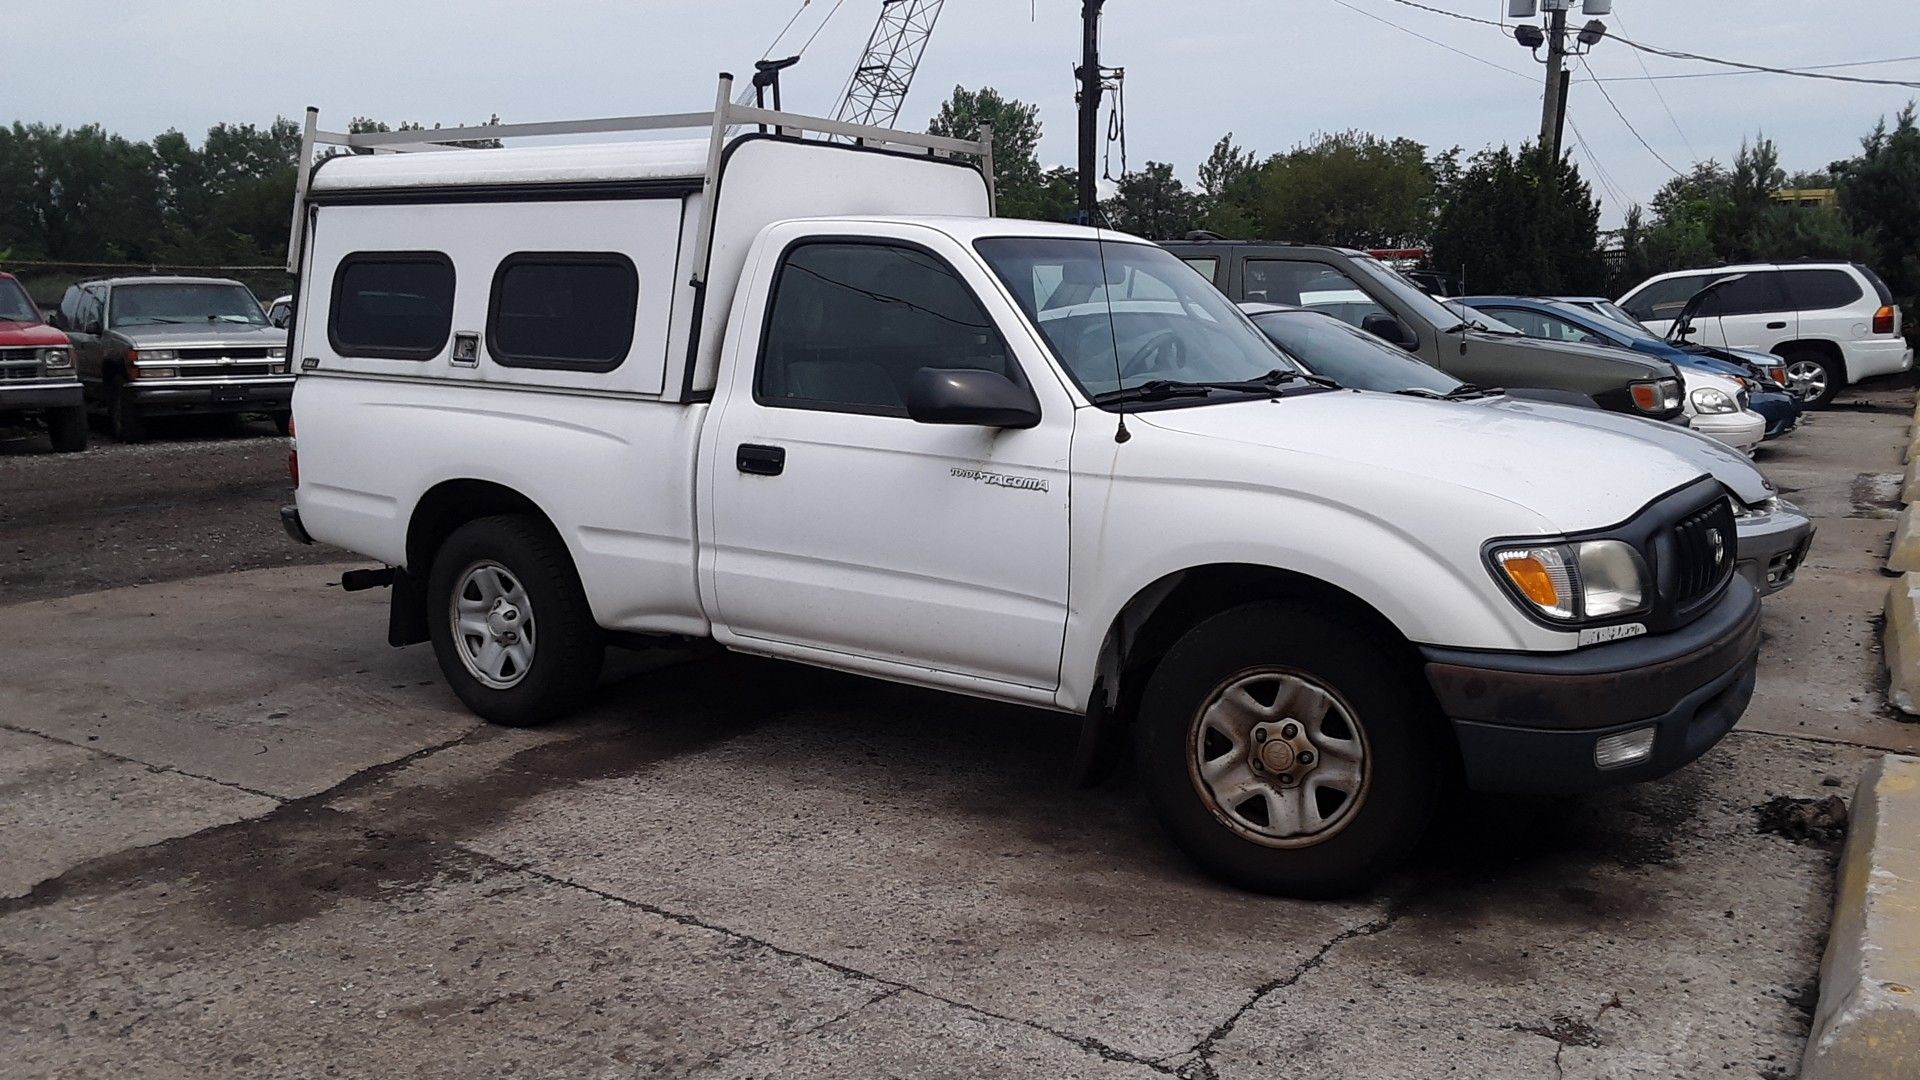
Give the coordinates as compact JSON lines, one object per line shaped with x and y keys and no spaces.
{"x":1353,"y":358}
{"x":1613,"y":311}
{"x":1413,"y":296}
{"x":1478,"y":319}
{"x":181,"y":302}
{"x":1119,"y":315}
{"x":15,"y":304}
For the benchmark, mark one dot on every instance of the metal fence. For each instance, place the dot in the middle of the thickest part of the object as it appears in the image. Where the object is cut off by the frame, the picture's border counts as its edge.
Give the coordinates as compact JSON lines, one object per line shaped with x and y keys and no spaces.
{"x":46,"y":281}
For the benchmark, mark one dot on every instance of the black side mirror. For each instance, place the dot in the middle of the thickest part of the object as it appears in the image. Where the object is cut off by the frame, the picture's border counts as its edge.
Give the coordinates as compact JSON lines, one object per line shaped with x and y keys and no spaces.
{"x":1388,"y":329}
{"x":970,"y":396}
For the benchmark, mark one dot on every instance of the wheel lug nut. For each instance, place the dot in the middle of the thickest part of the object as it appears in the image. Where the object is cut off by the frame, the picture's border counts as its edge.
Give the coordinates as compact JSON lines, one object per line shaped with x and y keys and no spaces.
{"x":1259,"y":766}
{"x":1259,"y":734}
{"x":1289,"y":731}
{"x":1286,"y":780}
{"x":1306,"y":757}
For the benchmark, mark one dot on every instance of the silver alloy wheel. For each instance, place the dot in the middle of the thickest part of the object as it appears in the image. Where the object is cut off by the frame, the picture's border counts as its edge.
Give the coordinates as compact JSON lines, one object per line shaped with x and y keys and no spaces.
{"x":1807,"y":379}
{"x":493,"y":625}
{"x":1278,"y":757}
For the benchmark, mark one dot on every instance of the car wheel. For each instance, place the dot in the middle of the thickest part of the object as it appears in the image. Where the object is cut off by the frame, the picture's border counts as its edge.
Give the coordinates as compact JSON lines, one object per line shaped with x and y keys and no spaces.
{"x":123,"y":416}
{"x":510,"y":623}
{"x":68,"y":428}
{"x":1813,"y":377}
{"x":1287,"y":752}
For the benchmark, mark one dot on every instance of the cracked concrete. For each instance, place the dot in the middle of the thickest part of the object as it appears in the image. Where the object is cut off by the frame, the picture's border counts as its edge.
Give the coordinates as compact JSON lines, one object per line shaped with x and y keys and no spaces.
{"x":304,"y":858}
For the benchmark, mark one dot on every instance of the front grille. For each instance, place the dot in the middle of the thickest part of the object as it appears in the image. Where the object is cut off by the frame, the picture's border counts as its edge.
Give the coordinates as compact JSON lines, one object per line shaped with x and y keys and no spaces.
{"x":1704,"y":550}
{"x":218,"y":352}
{"x":19,"y":363}
{"x":221,"y":371}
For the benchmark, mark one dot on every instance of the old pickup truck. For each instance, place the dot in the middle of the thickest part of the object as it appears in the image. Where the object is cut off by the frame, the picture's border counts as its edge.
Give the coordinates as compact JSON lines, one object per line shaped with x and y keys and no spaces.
{"x":809,"y":399}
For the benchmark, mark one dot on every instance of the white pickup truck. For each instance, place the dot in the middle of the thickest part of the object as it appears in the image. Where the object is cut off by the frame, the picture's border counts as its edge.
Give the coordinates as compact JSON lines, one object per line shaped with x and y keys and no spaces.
{"x":809,"y":399}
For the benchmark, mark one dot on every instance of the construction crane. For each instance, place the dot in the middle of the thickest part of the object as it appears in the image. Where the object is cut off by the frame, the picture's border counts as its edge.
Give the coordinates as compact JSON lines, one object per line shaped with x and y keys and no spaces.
{"x":885,"y":72}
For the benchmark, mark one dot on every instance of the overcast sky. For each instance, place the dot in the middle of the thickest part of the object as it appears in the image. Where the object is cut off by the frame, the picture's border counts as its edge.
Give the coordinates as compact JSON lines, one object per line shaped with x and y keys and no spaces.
{"x":1273,"y":72}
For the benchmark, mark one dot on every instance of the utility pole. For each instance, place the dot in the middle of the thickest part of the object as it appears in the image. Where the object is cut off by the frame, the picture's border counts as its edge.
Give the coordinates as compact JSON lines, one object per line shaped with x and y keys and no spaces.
{"x":1091,"y":84}
{"x":1553,"y":105}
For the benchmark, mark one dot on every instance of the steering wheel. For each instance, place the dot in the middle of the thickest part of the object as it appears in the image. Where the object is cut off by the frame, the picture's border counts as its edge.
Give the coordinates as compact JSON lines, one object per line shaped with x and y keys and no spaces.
{"x":1159,"y":344}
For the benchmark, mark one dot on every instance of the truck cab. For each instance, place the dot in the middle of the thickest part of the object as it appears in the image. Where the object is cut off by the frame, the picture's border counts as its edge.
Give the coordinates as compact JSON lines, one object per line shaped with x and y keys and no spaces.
{"x":812,"y":400}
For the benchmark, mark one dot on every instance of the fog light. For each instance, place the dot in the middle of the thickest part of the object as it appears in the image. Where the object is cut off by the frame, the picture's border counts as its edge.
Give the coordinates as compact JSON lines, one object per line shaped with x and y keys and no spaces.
{"x":1626,"y":748}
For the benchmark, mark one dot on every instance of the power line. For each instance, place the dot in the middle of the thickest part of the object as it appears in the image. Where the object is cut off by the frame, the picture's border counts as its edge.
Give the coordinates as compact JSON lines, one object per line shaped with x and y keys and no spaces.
{"x":1734,"y":74}
{"x":1600,"y":172}
{"x":1691,"y":152}
{"x":1623,"y":119}
{"x":1432,"y":41}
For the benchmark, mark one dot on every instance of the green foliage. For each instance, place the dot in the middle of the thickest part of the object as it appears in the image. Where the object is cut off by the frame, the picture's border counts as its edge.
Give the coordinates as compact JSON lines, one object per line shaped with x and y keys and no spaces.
{"x":1152,"y":203}
{"x":1024,"y":190}
{"x":1880,"y":193}
{"x":1521,"y":222}
{"x":1350,"y":188}
{"x":1229,"y":193}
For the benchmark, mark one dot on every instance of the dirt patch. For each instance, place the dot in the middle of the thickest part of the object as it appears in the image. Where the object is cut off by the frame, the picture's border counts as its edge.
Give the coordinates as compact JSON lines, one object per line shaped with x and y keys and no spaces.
{"x":1820,"y":823}
{"x":1563,"y":1029}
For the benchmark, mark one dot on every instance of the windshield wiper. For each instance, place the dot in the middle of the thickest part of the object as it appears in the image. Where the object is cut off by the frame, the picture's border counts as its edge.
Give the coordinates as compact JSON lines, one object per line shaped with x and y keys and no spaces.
{"x":1162,"y":389}
{"x":1463,"y":392}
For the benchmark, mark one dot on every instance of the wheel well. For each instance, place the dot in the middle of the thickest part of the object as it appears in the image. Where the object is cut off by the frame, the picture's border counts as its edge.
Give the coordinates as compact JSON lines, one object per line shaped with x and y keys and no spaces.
{"x":1159,"y":614}
{"x":444,"y":508}
{"x":1828,"y":351}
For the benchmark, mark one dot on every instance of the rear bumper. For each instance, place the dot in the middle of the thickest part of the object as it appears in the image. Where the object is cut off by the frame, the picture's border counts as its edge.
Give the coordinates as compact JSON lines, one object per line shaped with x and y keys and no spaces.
{"x":41,"y":396}
{"x":290,"y":521}
{"x":164,"y":398}
{"x":1530,"y":722}
{"x":1772,"y":547}
{"x":1877,"y":356}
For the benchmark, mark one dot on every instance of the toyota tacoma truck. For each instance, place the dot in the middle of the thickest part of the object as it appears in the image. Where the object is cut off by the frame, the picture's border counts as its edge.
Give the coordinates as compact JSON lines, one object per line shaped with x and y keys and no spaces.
{"x":810,"y":400}
{"x":36,"y":370}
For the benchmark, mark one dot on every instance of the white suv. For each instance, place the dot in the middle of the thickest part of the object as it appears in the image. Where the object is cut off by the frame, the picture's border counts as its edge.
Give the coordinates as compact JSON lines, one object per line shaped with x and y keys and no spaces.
{"x":1834,"y":323}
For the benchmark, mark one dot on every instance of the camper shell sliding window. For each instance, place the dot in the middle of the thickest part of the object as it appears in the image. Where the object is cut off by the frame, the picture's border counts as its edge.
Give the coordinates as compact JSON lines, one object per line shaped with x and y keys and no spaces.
{"x":392,"y":305}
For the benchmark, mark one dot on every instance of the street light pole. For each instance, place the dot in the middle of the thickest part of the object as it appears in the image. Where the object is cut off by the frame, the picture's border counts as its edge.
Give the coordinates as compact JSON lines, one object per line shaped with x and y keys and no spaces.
{"x":1089,"y":76}
{"x":1553,"y":105}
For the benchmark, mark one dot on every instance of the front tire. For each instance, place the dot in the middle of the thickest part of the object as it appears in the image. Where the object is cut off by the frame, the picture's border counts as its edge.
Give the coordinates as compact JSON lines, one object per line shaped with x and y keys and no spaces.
{"x":510,"y":623}
{"x":68,"y":429}
{"x":1287,"y":752}
{"x":123,"y":416}
{"x":1814,"y":377}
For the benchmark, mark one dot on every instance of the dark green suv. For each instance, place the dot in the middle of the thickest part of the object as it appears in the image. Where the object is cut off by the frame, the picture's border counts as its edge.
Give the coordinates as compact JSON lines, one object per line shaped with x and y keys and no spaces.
{"x":1468,"y":345}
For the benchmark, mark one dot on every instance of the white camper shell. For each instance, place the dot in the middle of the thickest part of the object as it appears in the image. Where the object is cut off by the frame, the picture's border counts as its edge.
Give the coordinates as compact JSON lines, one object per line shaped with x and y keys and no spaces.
{"x":790,"y":387}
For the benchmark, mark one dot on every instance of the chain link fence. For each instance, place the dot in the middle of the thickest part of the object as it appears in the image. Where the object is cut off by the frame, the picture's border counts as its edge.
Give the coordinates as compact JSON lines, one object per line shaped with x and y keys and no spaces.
{"x":47,"y":281}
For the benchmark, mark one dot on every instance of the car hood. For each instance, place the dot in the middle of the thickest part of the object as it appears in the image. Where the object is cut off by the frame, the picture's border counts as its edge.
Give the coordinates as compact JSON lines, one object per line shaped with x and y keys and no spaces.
{"x":1732,"y":469}
{"x":17,"y":334}
{"x":1572,"y":476}
{"x":213,"y":333}
{"x":1576,"y":351}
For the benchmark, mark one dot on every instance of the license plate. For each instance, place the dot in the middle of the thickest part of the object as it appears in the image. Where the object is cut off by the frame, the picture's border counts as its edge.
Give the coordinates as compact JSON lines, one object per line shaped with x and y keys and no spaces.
{"x":229,"y":393}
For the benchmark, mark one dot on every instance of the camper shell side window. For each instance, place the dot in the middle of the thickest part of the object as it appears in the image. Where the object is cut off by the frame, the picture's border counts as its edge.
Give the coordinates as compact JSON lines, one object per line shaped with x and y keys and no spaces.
{"x":568,"y":310}
{"x":392,"y":305}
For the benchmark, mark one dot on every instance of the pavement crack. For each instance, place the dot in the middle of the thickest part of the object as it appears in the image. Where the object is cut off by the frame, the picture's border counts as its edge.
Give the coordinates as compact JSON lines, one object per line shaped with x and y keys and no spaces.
{"x":1086,"y":1043}
{"x":844,"y":1015}
{"x":1199,"y":1057}
{"x":147,"y":765}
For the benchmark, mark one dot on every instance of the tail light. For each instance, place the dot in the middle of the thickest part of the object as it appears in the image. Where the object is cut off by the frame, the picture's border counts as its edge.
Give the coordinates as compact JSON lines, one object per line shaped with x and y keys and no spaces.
{"x":1885,"y":320}
{"x":293,"y":454}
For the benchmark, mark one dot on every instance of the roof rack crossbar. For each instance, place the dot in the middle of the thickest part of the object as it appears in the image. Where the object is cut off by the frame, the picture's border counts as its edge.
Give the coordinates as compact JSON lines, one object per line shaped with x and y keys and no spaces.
{"x":725,"y":116}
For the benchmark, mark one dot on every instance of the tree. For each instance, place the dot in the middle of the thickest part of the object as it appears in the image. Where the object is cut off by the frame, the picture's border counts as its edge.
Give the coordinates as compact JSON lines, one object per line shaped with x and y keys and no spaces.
{"x":1350,"y":188}
{"x":1521,"y":222}
{"x":1880,"y":194}
{"x":1022,"y":188}
{"x":1152,"y":203}
{"x":1229,"y":189}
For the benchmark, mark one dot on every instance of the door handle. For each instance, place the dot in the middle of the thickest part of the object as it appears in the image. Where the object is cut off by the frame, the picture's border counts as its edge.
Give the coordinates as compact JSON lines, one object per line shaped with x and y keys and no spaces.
{"x":760,"y":460}
{"x":1776,"y":326}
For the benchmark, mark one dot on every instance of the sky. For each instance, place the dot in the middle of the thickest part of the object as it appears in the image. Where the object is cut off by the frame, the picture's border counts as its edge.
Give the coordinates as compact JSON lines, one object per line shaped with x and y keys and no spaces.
{"x":1273,"y":72}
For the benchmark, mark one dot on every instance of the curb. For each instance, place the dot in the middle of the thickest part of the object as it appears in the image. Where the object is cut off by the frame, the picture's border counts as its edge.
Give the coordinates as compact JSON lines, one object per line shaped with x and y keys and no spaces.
{"x":1900,"y":643}
{"x":1867,"y":1026}
{"x":1910,"y":484}
{"x":1904,"y":555}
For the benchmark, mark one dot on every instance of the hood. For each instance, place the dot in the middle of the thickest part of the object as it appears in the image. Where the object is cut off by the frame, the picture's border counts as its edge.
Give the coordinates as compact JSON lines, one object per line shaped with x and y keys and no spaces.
{"x":1577,"y":352}
{"x":211,"y":333}
{"x":13,"y":335}
{"x":1572,"y":476}
{"x":1734,"y":471}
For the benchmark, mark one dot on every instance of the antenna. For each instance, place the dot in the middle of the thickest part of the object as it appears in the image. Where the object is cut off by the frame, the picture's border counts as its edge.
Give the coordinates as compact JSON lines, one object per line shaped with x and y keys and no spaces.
{"x":1113,"y":336}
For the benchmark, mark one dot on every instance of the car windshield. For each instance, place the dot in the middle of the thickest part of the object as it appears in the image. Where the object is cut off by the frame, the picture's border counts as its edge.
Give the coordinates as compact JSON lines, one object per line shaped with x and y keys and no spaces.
{"x":1121,"y":315}
{"x":1613,"y":311}
{"x":184,"y":302}
{"x":1478,"y":319}
{"x":1350,"y":357}
{"x":15,"y":304}
{"x":1413,"y":296}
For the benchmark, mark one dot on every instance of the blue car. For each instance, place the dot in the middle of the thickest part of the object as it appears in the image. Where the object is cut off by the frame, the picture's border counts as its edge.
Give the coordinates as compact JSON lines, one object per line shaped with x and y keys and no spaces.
{"x":1558,"y":320}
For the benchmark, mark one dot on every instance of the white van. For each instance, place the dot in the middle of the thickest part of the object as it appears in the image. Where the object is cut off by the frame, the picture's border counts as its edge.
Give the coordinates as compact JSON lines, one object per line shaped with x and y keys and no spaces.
{"x":811,"y":400}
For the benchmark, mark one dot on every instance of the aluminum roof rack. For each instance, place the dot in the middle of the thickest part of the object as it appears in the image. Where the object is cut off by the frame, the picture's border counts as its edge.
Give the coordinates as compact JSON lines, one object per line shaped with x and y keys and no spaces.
{"x":726,"y":116}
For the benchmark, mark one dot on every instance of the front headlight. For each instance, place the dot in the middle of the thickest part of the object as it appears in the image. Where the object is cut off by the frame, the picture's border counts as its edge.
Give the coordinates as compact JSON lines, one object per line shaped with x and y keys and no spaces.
{"x":1580,"y":582}
{"x":1710,"y":400}
{"x":56,"y":359}
{"x":1745,"y":511}
{"x":1661,"y":395}
{"x":157,"y":356}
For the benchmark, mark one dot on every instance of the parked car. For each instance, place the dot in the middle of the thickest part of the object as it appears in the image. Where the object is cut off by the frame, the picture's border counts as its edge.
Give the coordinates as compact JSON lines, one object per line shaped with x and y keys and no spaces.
{"x":36,"y":370}
{"x":175,"y":346}
{"x":1719,"y":408}
{"x":1366,"y":292}
{"x":1774,"y":536}
{"x":856,"y":421}
{"x":1556,"y":320}
{"x":1834,"y":323}
{"x":280,"y":312}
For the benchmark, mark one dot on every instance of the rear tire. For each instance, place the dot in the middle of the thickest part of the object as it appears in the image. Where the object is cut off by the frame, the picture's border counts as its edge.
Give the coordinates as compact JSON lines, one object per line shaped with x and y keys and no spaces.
{"x":1254,"y":815}
{"x":1813,"y":377}
{"x":510,"y":623}
{"x":282,"y":422}
{"x":68,"y":429}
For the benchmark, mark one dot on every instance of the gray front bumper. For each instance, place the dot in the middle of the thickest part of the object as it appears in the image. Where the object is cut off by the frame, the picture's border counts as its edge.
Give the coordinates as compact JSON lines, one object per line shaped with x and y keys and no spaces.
{"x":22,"y":396}
{"x":1772,"y":545}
